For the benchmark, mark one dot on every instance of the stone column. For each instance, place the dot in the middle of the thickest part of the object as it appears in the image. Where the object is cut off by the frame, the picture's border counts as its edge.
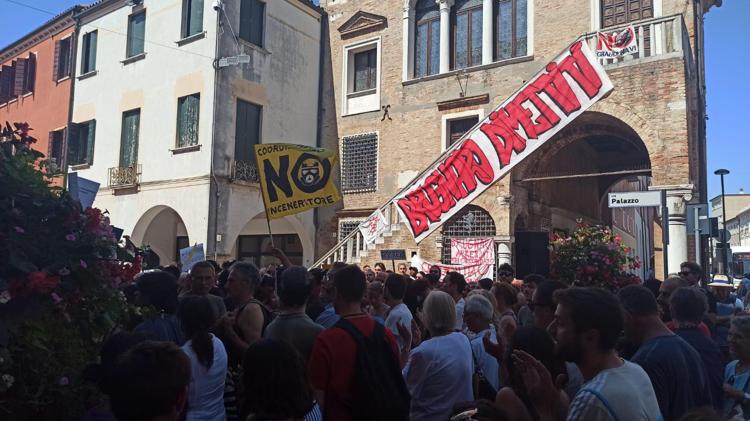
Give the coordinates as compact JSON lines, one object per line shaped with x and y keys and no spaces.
{"x":487,"y":31}
{"x":677,"y":250}
{"x":504,"y":254}
{"x":408,"y":40}
{"x":445,"y":37}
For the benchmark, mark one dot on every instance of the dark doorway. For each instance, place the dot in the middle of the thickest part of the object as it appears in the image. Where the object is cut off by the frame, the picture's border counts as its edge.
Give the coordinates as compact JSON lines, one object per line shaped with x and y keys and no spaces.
{"x":532,"y":253}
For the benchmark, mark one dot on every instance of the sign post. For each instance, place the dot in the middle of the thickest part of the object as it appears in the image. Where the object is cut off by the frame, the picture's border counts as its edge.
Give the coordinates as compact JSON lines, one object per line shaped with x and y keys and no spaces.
{"x":698,"y":223}
{"x":393,"y":255}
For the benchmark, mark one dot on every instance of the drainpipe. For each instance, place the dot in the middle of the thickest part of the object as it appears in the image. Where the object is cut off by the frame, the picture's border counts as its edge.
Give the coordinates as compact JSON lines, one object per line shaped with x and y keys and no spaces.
{"x":319,"y":133}
{"x":73,"y":62}
{"x":212,"y":175}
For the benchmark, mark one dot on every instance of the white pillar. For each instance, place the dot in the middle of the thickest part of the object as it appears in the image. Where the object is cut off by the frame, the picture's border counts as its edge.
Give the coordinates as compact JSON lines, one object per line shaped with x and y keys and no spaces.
{"x":677,"y":250}
{"x":487,"y":31}
{"x":408,"y":40}
{"x":445,"y":31}
{"x":503,"y":253}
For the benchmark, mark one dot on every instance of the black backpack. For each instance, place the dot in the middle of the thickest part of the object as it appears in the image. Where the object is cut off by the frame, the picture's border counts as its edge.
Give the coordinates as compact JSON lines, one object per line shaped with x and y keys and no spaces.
{"x":380,"y":393}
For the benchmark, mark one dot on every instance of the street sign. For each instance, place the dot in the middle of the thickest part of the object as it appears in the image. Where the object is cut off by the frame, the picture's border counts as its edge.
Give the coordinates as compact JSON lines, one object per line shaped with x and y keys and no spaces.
{"x":635,"y":199}
{"x":714,"y":229}
{"x":704,"y":225}
{"x":394,"y":254}
{"x":724,"y":235}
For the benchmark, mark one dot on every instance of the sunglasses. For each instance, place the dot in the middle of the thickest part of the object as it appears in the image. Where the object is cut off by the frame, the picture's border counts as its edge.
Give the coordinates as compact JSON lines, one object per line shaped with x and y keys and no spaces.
{"x":684,"y":273}
{"x":505,"y":274}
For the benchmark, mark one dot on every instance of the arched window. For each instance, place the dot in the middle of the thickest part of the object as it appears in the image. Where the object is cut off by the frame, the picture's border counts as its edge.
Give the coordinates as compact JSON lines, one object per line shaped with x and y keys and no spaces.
{"x":466,"y":37}
{"x":427,"y":39}
{"x":471,"y":222}
{"x":510,"y":29}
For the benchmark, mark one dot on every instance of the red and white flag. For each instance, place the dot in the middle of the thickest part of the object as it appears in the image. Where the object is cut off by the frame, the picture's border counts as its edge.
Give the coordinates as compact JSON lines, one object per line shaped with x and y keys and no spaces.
{"x":616,"y":44}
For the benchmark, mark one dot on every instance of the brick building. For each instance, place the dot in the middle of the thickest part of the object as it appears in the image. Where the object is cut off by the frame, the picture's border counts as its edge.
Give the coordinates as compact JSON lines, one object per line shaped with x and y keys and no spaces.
{"x":406,"y":78}
{"x":36,"y":85}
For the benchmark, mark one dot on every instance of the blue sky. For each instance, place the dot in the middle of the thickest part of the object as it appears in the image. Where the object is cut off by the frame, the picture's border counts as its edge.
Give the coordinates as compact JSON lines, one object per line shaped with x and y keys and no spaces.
{"x":727,"y":69}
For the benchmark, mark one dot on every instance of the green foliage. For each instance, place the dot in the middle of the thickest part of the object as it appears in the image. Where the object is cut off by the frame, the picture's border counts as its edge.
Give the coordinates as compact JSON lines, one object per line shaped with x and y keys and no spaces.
{"x":59,"y":294}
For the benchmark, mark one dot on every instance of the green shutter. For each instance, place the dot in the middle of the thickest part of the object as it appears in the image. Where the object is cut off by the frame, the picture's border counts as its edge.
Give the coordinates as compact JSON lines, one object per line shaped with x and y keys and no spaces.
{"x":90,"y":142}
{"x":188,"y":110}
{"x":136,"y":34}
{"x":74,"y":143}
{"x":196,"y":17}
{"x":247,"y":130}
{"x":129,"y":138}
{"x":91,"y":53}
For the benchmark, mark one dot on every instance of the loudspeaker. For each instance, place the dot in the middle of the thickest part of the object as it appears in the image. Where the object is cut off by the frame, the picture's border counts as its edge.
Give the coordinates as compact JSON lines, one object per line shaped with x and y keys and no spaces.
{"x":531,"y":253}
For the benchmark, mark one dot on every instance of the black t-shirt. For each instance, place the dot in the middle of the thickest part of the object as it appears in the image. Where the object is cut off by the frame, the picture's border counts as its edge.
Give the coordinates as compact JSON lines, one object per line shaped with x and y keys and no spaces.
{"x":677,"y":374}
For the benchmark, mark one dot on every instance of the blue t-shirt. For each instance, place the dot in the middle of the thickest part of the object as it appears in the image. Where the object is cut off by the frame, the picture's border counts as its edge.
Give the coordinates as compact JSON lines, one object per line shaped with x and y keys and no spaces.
{"x":165,"y":327}
{"x":677,"y":374}
{"x":739,"y":381}
{"x":328,"y":317}
{"x":712,"y":358}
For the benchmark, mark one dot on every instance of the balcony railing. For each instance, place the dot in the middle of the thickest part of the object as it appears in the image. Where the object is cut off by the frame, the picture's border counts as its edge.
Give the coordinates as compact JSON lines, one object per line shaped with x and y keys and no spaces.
{"x":245,"y":171}
{"x":121,"y":177}
{"x":656,"y":37}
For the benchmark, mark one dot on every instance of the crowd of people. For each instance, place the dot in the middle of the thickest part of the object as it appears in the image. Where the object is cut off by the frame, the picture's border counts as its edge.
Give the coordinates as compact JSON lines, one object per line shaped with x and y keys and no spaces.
{"x":351,"y":343}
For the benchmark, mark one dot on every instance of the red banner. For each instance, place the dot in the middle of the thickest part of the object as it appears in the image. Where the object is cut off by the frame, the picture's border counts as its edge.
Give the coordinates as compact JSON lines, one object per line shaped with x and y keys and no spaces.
{"x":555,"y":96}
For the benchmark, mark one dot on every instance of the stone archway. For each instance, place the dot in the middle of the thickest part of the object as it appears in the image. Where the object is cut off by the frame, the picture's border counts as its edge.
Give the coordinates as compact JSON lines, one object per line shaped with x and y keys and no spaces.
{"x":163,"y":230}
{"x":471,"y":222}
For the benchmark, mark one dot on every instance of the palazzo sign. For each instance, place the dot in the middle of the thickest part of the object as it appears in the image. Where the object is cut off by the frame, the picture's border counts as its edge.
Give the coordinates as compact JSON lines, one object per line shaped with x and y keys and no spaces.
{"x":565,"y":88}
{"x":635,"y":199}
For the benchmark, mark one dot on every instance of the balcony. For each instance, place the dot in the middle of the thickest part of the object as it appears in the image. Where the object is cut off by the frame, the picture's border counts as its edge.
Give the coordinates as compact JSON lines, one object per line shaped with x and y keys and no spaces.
{"x":246,"y":171}
{"x":658,"y":38}
{"x":124,"y":177}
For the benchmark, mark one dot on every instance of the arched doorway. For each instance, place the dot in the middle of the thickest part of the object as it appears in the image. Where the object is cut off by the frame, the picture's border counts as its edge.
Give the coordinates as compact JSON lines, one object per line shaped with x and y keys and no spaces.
{"x":161,"y":228}
{"x":567,"y":181}
{"x":471,"y":222}
{"x":252,"y":242}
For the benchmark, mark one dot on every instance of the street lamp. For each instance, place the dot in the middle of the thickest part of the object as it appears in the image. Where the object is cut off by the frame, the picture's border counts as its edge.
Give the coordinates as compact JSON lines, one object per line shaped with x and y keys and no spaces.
{"x":721,"y":173}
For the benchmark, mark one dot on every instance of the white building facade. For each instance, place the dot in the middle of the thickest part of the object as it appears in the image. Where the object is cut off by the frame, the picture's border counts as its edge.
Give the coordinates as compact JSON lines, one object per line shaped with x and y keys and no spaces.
{"x":167,"y":125}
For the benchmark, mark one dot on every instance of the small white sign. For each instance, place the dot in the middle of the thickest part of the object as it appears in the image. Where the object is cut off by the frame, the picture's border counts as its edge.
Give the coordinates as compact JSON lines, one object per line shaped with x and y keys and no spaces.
{"x":636,"y":199}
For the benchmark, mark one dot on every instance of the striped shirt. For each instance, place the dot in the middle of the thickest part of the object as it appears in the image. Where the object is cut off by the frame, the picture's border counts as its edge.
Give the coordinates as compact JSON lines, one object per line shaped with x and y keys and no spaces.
{"x":622,"y":393}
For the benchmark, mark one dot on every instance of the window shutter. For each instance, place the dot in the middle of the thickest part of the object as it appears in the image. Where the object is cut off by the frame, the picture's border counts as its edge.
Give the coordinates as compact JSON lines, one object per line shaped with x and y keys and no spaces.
{"x":90,"y":143}
{"x":56,"y":63}
{"x":30,"y":78}
{"x":5,"y":84}
{"x":69,"y":65}
{"x":92,"y":50}
{"x":74,"y":145}
{"x":50,"y":145}
{"x":20,"y":77}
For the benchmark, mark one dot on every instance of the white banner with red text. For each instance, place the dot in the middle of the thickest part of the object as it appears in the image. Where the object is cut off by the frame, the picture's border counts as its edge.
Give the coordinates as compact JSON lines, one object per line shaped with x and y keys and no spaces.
{"x":559,"y":93}
{"x":373,"y":227}
{"x":478,"y":252}
{"x":472,"y":273}
{"x":616,"y":44}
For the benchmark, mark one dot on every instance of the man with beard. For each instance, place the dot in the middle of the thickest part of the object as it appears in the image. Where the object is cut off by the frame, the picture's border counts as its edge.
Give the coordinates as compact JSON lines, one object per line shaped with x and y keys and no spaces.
{"x":676,"y":370}
{"x":587,"y":324}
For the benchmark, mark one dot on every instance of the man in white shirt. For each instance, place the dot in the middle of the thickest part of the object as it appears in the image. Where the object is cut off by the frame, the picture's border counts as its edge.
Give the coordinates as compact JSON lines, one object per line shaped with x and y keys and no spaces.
{"x":587,"y":324}
{"x":393,"y":293}
{"x":454,"y":284}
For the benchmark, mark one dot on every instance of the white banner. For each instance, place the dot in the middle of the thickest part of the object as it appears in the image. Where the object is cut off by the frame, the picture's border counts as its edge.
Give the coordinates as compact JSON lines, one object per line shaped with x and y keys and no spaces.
{"x":475,"y":251}
{"x":616,"y":44}
{"x":373,"y":227}
{"x":550,"y":100}
{"x":472,"y":273}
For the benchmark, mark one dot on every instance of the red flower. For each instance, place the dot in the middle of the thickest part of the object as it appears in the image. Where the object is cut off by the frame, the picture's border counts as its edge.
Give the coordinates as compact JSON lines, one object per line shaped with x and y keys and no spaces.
{"x":42,"y":282}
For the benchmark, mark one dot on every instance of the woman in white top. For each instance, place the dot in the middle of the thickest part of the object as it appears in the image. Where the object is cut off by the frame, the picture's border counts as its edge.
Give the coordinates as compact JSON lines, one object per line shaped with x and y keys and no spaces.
{"x":438,"y":372}
{"x":208,"y":360}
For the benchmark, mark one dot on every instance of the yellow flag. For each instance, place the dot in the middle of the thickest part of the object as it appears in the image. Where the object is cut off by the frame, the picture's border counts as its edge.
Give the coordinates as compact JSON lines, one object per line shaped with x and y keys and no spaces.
{"x":295,"y":178}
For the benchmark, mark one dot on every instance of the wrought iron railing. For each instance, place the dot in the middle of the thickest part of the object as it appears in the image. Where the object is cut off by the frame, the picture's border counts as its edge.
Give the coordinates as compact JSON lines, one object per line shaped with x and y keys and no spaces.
{"x":120,"y":177}
{"x":245,"y":171}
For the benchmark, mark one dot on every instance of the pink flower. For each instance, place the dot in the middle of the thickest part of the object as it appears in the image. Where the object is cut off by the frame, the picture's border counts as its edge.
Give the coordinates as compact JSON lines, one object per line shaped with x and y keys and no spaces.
{"x":19,"y":230}
{"x":83,"y":264}
{"x":70,"y":237}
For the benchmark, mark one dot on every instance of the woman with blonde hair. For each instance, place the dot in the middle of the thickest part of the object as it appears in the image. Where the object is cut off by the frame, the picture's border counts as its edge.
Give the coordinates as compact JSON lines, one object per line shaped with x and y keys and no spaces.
{"x":439,"y":371}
